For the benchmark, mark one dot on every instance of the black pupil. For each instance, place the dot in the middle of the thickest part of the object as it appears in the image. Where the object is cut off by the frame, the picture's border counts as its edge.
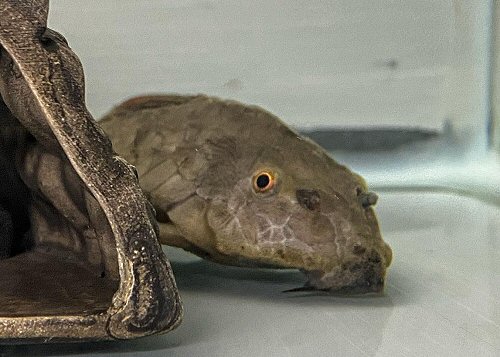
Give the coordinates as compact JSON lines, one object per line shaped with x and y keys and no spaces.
{"x":262,"y":181}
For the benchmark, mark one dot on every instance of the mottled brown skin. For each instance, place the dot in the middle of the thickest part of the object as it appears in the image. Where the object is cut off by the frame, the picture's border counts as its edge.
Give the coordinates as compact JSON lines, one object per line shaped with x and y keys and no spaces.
{"x":197,"y":158}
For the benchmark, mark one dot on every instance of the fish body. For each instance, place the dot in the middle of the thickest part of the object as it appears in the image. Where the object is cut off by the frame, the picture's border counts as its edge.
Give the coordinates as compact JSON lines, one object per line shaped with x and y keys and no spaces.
{"x":232,"y":183}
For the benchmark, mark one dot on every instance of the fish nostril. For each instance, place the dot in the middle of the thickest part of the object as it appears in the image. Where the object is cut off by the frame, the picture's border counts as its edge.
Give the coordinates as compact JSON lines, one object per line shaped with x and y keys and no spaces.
{"x":358,"y":249}
{"x":367,"y":199}
{"x":309,"y":199}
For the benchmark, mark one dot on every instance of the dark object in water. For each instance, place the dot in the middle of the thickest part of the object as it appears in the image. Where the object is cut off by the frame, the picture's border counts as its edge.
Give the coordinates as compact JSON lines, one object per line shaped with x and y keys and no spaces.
{"x":79,"y":257}
{"x":375,"y":139}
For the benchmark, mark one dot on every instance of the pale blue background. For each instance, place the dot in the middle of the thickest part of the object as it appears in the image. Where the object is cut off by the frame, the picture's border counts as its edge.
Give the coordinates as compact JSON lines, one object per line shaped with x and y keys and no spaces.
{"x":325,"y":64}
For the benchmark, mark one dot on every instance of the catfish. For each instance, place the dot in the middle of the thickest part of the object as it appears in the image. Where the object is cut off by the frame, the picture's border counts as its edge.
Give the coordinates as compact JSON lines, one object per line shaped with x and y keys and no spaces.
{"x":234,"y":184}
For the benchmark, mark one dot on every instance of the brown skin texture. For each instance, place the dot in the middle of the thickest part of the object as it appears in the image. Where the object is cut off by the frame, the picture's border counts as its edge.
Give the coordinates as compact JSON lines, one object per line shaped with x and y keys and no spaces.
{"x":198,"y":159}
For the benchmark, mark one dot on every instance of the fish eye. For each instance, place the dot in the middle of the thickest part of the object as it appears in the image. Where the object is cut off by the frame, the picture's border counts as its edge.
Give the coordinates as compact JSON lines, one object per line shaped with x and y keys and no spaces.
{"x":263,"y":181}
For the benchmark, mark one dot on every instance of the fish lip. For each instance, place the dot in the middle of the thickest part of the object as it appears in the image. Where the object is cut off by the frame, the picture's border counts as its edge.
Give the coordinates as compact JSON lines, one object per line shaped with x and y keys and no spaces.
{"x":354,"y":290}
{"x":370,"y":281}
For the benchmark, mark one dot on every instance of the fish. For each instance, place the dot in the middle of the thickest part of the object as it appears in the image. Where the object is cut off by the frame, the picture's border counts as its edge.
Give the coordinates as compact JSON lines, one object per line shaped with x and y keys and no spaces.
{"x":232,"y":183}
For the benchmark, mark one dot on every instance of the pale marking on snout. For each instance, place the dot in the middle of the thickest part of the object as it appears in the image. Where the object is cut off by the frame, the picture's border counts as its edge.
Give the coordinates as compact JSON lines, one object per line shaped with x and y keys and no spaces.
{"x":235,"y":224}
{"x":345,"y":237}
{"x":269,"y":234}
{"x":234,"y":206}
{"x":282,"y":231}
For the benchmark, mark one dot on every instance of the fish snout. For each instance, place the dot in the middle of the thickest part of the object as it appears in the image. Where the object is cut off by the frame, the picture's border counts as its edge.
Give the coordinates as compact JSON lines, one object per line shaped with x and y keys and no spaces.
{"x":353,"y":277}
{"x":371,"y":280}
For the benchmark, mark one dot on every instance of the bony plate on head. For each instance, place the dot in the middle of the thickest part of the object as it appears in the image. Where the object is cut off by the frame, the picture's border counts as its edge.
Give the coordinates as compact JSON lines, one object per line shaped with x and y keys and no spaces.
{"x":79,"y":257}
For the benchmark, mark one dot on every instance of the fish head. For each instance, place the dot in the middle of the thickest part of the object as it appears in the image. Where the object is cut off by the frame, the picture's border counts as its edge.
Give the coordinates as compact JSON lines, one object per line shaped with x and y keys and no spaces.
{"x":245,"y":189}
{"x":295,"y":207}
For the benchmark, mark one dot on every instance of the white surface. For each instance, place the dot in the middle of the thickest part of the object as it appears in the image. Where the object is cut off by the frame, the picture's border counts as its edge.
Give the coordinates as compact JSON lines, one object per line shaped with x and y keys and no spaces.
{"x":442,"y":298}
{"x":315,"y":63}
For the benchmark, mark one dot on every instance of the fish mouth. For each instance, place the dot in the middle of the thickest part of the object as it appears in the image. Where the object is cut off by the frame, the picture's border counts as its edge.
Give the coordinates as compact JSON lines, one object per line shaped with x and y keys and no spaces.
{"x":370,"y":281}
{"x":349,"y":278}
{"x":366,"y":288}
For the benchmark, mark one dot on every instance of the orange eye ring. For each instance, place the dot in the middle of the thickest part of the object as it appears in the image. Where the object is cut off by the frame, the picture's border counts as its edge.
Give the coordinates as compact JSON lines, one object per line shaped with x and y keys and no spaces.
{"x":263,"y":181}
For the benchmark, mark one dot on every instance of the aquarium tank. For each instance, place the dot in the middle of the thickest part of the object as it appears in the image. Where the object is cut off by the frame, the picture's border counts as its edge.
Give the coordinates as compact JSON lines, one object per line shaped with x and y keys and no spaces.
{"x":404,"y":92}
